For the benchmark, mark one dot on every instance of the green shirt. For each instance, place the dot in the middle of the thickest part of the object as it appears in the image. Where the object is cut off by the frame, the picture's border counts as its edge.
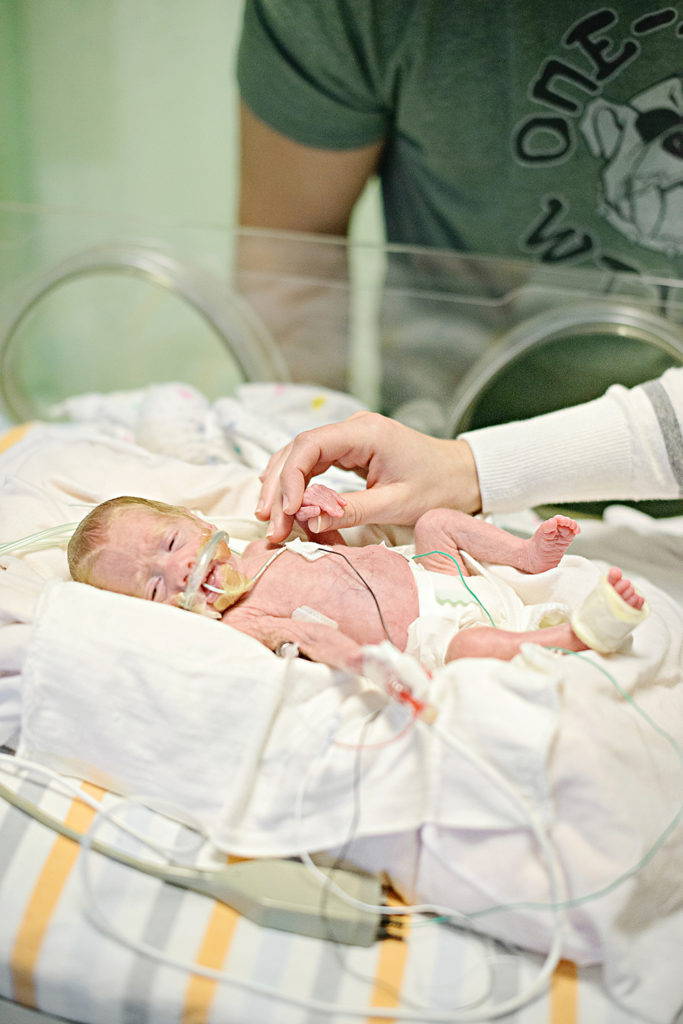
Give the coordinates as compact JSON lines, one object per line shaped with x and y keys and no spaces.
{"x":551,"y":131}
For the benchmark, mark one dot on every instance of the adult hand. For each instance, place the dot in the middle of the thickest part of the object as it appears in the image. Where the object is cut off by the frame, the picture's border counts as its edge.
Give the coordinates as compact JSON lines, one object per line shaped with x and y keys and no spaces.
{"x":406,"y":474}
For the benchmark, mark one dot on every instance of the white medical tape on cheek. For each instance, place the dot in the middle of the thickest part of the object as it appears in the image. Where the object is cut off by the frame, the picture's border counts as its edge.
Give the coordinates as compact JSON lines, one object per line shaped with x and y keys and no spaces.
{"x":604,"y":619}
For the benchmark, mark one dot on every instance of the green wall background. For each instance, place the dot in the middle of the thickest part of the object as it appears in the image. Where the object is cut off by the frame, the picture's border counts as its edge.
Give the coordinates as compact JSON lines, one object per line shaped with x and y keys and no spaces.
{"x":120,"y":105}
{"x":128,"y":109}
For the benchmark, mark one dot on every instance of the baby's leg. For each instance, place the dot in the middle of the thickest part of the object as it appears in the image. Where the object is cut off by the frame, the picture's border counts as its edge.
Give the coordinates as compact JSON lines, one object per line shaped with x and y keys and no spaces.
{"x":447,"y":530}
{"x":487,"y":642}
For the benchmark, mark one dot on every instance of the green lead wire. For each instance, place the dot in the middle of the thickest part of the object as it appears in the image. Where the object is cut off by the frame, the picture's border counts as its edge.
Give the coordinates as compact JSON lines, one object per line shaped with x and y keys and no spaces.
{"x":425,"y":554}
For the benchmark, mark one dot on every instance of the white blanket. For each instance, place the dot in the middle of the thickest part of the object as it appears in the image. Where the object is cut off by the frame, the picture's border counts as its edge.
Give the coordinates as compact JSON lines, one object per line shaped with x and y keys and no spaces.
{"x":165,"y":442}
{"x":190,"y":710}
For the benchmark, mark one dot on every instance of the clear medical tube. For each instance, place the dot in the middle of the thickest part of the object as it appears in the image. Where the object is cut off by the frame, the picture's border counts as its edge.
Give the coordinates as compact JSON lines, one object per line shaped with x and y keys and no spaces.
{"x":53,"y":537}
{"x":189,"y":595}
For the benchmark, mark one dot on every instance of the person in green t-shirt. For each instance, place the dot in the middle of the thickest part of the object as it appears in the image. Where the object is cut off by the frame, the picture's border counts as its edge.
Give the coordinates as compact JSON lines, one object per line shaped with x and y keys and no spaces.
{"x":550,"y":132}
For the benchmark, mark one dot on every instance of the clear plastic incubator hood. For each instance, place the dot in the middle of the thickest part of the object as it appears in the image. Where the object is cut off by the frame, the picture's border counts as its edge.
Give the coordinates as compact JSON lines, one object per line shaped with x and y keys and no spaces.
{"x":443,"y":341}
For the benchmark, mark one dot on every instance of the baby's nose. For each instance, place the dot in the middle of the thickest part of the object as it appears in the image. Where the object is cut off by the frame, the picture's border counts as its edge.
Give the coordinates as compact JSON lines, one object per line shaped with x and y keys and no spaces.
{"x":181,"y":570}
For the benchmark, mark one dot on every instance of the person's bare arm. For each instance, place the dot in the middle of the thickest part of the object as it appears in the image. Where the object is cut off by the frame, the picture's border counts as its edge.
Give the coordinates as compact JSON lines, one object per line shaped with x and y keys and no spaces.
{"x":316,"y":640}
{"x":290,"y":187}
{"x":296,"y":287}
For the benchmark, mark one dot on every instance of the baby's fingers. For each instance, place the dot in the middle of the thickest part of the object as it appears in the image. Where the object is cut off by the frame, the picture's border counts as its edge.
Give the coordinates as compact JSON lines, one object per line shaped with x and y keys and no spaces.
{"x":327,"y":500}
{"x":307,"y":512}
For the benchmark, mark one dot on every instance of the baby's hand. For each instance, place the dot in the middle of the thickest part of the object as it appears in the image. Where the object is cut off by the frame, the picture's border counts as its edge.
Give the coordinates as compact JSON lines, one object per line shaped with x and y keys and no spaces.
{"x":320,"y":500}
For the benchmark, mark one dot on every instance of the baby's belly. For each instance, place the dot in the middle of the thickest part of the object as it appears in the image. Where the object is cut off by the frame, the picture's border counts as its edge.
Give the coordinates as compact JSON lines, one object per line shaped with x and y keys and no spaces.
{"x":369,"y":592}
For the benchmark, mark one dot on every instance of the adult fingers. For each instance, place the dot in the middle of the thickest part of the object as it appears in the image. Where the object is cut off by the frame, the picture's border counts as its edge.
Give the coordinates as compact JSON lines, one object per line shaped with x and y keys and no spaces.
{"x":314,"y":451}
{"x":350,"y":444}
{"x":284,"y":483}
{"x":280,"y":525}
{"x":386,"y":503}
{"x":270,"y":482}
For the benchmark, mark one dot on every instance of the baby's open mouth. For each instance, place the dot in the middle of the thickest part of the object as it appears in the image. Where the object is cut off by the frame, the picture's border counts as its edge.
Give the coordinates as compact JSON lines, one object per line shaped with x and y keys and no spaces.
{"x":214,"y":583}
{"x":223,"y":585}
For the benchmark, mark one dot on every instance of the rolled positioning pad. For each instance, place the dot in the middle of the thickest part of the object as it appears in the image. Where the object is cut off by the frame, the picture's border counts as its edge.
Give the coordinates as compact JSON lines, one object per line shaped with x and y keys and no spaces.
{"x":604,"y":619}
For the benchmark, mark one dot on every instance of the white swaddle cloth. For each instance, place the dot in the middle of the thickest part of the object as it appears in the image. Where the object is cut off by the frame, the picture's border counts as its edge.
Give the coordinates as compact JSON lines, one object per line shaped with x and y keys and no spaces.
{"x":451,"y":602}
{"x":147,"y":699}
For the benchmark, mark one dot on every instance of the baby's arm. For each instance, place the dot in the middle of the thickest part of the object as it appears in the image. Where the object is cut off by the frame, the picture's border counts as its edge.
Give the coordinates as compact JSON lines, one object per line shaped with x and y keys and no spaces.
{"x":314,"y":639}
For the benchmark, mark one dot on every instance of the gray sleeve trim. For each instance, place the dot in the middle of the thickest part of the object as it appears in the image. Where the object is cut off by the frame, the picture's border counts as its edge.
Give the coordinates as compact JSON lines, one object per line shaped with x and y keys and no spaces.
{"x":670,"y":427}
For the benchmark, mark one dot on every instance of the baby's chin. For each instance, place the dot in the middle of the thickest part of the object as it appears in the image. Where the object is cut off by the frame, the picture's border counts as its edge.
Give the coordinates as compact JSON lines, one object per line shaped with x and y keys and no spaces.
{"x":234,"y":585}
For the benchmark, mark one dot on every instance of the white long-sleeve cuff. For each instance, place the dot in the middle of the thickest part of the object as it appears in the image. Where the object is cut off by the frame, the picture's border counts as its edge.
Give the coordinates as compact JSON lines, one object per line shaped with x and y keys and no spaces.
{"x":582,"y":453}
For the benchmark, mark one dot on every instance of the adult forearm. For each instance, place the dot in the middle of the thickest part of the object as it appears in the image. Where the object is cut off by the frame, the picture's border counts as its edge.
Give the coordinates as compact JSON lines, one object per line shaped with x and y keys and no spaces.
{"x":624,"y":445}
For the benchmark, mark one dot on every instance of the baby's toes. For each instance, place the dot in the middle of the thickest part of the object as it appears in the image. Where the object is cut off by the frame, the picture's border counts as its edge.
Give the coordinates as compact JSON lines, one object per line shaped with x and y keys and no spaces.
{"x":631,"y":596}
{"x":567,"y":527}
{"x":628,"y":593}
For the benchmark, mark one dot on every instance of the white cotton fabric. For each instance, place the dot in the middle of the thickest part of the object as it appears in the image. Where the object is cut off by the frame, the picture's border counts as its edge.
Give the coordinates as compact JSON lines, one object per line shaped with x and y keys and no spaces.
{"x":191,"y":712}
{"x":195,"y":713}
{"x":448,"y":604}
{"x":177,"y":420}
{"x":117,"y":696}
{"x":24,"y":508}
{"x":625,"y":445}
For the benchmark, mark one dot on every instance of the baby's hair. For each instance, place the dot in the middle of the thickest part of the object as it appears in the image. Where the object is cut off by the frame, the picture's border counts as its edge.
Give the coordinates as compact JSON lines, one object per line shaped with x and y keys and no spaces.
{"x":92,"y":533}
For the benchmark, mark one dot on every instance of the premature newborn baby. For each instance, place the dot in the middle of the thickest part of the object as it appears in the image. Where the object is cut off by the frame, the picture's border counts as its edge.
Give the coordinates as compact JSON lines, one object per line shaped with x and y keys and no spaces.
{"x":361,"y":595}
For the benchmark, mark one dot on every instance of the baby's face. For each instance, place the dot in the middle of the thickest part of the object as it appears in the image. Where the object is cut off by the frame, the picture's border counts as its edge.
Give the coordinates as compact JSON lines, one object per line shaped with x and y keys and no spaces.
{"x":151,"y":555}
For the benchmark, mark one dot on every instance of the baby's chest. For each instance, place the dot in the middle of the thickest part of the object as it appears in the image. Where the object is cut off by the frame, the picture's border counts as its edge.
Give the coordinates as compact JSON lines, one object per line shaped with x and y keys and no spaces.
{"x":346,"y":584}
{"x":327,"y":584}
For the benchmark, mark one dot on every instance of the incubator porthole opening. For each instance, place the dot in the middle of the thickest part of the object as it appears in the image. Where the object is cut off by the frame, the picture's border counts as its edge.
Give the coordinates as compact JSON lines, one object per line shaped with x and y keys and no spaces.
{"x":565,"y":357}
{"x":121,"y":317}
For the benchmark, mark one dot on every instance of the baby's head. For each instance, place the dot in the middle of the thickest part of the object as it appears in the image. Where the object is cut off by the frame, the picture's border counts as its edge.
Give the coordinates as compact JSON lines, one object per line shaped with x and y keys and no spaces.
{"x":148,"y":549}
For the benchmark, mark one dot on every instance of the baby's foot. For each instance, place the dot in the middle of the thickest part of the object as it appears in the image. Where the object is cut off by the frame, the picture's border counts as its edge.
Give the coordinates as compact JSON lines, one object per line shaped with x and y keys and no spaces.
{"x":625,"y":589}
{"x":549,"y":543}
{"x":602,"y":623}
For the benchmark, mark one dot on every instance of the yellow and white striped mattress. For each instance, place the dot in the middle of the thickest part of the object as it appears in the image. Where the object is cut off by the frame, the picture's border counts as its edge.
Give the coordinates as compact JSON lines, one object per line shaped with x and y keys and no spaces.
{"x":53,"y":958}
